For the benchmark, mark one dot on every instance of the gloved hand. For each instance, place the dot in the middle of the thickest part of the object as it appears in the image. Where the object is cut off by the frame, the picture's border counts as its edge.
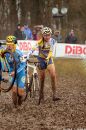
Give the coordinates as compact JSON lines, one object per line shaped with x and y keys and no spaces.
{"x":49,"y":55}
{"x":47,"y":60}
{"x":2,"y":53}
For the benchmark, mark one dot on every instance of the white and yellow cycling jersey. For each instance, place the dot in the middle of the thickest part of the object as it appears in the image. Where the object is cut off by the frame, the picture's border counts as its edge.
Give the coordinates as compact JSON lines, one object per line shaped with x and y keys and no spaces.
{"x":46,"y":48}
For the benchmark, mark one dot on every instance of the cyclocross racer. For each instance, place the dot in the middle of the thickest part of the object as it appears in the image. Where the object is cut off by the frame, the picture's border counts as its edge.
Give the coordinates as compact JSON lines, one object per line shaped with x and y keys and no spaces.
{"x":17,"y":94}
{"x":46,"y":61}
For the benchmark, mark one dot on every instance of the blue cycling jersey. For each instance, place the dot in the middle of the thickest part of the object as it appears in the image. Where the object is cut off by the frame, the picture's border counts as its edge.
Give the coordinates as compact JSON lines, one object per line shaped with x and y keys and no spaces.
{"x":20,"y":63}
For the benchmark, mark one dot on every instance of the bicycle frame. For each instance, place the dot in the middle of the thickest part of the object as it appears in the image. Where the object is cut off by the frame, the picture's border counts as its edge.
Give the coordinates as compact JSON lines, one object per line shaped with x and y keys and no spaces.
{"x":33,"y":81}
{"x":34,"y":67}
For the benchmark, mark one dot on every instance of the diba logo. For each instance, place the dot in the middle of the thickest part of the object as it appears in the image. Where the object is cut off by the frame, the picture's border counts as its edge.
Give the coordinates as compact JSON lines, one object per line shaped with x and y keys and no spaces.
{"x":25,"y":46}
{"x":75,"y":49}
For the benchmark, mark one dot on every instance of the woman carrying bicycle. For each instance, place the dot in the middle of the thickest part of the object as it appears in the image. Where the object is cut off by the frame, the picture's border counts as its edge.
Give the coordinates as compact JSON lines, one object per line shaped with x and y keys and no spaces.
{"x":18,"y":87}
{"x":46,"y":61}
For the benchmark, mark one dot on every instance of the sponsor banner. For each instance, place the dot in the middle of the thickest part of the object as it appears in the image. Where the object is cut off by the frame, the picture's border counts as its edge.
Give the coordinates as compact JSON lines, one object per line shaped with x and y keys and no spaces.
{"x":62,"y":50}
{"x":26,"y":45}
{"x":69,"y":50}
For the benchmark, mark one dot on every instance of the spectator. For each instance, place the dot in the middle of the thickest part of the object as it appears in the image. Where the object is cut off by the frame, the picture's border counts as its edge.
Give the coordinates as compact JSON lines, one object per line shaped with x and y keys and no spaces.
{"x":23,"y":34}
{"x":34,"y":33}
{"x":18,"y":33}
{"x":39,"y":35}
{"x":38,"y":28}
{"x":28,"y":32}
{"x":71,"y":38}
{"x":57,"y":36}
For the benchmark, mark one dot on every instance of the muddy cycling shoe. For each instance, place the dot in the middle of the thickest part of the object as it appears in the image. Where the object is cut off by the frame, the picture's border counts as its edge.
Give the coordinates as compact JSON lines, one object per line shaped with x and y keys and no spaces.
{"x":41,"y":99}
{"x":20,"y":100}
{"x":14,"y":98}
{"x":56,"y":99}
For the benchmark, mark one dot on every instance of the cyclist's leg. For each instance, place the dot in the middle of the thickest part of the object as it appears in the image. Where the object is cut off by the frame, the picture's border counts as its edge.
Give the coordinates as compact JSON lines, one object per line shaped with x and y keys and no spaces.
{"x":42,"y":68}
{"x":20,"y":95}
{"x":14,"y":95}
{"x":17,"y":97}
{"x":52,"y":72}
{"x":21,"y":84}
{"x":18,"y":88}
{"x":42,"y":78}
{"x":14,"y":91}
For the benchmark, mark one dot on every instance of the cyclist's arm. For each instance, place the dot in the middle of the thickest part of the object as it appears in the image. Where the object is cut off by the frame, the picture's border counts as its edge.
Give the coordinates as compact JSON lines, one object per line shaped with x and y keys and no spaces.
{"x":1,"y":51}
{"x":1,"y":58}
{"x":49,"y":55}
{"x":29,"y":53}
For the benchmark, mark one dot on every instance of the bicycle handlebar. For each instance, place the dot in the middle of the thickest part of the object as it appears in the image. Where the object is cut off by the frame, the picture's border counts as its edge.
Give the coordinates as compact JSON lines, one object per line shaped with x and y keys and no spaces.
{"x":31,"y":59}
{"x":36,"y":63}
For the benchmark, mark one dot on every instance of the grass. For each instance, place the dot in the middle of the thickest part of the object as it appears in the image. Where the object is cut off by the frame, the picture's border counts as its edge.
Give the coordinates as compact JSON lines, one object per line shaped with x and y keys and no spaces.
{"x":70,"y":66}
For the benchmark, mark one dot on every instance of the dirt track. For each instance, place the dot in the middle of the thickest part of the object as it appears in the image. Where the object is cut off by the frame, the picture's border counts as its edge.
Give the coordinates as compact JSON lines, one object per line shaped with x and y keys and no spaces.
{"x":67,"y":114}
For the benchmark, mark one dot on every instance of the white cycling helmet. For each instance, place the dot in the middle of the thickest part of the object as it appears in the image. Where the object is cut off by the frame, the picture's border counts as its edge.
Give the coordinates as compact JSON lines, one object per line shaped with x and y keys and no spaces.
{"x":46,"y":30}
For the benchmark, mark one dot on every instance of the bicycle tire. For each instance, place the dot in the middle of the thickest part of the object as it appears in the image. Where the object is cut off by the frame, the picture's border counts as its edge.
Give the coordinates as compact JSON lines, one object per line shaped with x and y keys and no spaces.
{"x":27,"y":90}
{"x":35,"y":89}
{"x":9,"y":87}
{"x":28,"y":87}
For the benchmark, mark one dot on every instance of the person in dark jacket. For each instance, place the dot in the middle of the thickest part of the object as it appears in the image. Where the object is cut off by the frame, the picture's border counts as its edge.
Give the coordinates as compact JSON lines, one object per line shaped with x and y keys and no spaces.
{"x":71,"y":38}
{"x":19,"y":33}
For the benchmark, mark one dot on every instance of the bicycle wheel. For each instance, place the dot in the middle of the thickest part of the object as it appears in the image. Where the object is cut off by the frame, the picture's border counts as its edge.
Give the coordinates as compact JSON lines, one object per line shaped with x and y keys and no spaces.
{"x":28,"y":84}
{"x":27,"y":89}
{"x":8,"y":57}
{"x":35,"y":88}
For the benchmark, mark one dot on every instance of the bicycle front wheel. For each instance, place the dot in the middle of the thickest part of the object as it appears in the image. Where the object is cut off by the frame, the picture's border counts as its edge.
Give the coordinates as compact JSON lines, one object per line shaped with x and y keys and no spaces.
{"x":6,"y":85}
{"x":35,"y":88}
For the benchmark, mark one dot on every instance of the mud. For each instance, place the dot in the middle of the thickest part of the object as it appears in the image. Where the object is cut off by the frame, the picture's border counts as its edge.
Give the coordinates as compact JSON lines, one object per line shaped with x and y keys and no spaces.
{"x":69,"y":113}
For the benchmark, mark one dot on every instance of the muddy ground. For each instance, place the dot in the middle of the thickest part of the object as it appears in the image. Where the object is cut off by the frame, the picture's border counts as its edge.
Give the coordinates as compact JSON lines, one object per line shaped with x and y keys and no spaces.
{"x":69,"y":113}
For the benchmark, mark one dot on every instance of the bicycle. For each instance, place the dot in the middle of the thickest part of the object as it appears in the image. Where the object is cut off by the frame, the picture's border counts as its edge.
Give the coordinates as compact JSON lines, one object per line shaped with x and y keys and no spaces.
{"x":33,"y":79}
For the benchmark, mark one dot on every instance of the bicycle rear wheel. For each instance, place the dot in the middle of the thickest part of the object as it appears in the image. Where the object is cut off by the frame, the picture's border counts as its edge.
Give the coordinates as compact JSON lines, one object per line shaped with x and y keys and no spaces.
{"x":6,"y":85}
